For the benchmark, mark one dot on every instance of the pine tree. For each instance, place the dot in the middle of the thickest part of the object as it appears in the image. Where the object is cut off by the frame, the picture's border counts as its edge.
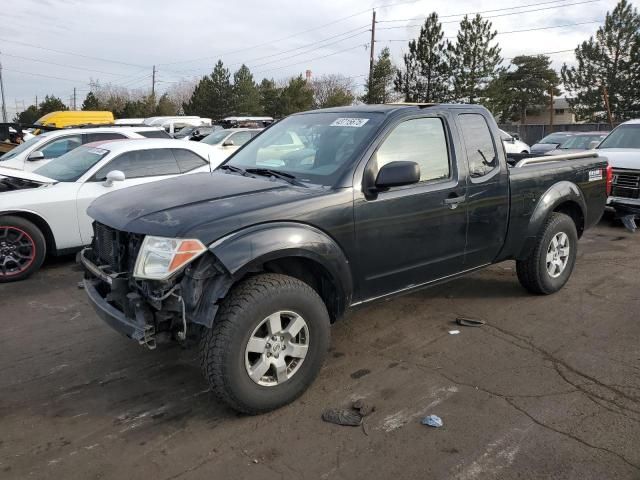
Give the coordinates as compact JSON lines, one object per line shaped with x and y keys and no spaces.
{"x":200,"y":101}
{"x":213,"y":95}
{"x":297,"y":96}
{"x":611,"y":60}
{"x":381,"y":83}
{"x":426,"y":73}
{"x":270,"y":98}
{"x":90,"y":102}
{"x":246,"y":96}
{"x":166,"y":106}
{"x":524,"y":89}
{"x":51,"y":103}
{"x":474,"y":59}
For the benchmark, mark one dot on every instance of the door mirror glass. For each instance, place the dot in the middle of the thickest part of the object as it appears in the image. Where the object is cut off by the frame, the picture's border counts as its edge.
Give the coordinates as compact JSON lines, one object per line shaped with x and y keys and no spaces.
{"x":396,"y":174}
{"x":35,"y":156}
{"x":114,"y":176}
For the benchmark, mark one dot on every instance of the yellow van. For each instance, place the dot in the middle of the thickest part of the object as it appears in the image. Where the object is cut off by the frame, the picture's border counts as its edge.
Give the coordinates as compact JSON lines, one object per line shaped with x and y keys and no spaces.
{"x":71,"y":117}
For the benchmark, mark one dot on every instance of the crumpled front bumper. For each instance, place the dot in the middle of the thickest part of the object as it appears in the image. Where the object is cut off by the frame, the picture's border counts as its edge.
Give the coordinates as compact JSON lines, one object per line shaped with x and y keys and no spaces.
{"x":136,"y":329}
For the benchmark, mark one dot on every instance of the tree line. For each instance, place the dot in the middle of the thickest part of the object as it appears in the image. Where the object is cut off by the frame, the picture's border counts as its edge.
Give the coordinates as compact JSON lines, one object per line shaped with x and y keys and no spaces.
{"x":469,"y":69}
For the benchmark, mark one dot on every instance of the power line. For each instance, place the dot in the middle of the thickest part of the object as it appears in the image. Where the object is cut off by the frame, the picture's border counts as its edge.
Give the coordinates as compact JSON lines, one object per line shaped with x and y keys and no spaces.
{"x":542,"y":53}
{"x":60,"y":64}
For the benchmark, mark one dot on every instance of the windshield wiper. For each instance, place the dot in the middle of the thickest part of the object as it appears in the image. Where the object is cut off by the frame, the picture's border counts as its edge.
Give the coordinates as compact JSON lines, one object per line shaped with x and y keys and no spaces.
{"x":234,"y":169}
{"x":287,"y":177}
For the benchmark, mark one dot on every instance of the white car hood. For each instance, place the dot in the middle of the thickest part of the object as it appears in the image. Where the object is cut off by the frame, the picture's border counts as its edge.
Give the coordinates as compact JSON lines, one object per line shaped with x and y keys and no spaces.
{"x":628,"y":158}
{"x":34,"y":177}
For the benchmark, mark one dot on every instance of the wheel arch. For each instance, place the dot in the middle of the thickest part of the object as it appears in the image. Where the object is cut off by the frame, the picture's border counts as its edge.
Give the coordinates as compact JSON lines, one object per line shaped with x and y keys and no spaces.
{"x":39,"y":222}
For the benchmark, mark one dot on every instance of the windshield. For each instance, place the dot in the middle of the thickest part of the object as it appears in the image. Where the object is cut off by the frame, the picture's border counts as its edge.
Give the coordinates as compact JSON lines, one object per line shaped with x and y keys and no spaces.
{"x":71,"y":166}
{"x":216,"y":137}
{"x":314,"y":147}
{"x":185,"y":132}
{"x":581,"y":142}
{"x":625,"y":136}
{"x":20,"y":148}
{"x":555,"y":138}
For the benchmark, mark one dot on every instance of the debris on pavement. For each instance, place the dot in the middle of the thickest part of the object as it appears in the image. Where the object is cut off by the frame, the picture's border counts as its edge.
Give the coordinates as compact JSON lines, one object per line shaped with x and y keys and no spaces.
{"x":350,"y":417}
{"x":432,"y":421}
{"x":363,"y":407}
{"x":469,"y":322}
{"x":629,"y":222}
{"x":454,"y":332}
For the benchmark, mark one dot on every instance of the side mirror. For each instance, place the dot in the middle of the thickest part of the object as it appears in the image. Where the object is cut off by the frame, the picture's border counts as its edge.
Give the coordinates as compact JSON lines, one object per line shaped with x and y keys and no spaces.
{"x":593,"y":144}
{"x":114,"y":176}
{"x":228,"y":143}
{"x":396,"y":174}
{"x":35,"y":156}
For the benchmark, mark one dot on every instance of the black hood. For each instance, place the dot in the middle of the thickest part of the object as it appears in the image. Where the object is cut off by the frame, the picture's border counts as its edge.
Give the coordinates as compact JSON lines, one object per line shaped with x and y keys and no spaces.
{"x":204,"y":205}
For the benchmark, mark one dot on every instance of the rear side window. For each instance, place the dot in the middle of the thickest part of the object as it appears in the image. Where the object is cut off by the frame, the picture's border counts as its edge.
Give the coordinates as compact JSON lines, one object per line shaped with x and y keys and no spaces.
{"x":154,"y":134}
{"x":102,"y":136}
{"x":421,"y":140}
{"x":142,"y":163}
{"x":481,"y":152}
{"x":187,"y":160}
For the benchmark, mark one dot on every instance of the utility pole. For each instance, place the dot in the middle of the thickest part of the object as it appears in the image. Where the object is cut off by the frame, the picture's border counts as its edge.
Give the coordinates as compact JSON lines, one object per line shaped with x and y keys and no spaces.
{"x":605,"y":95}
{"x":36,"y":102}
{"x":371,"y":53}
{"x":153,"y":82}
{"x":4,"y":107}
{"x":74,"y":99}
{"x":551,"y":111}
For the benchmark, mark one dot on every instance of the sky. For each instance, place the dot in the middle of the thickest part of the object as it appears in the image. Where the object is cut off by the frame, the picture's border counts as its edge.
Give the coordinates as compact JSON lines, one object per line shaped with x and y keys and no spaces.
{"x":52,"y":46}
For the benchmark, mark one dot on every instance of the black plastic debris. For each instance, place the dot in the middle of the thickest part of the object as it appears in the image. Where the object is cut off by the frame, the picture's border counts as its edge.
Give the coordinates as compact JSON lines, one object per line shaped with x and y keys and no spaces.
{"x":349,"y":417}
{"x":469,"y":322}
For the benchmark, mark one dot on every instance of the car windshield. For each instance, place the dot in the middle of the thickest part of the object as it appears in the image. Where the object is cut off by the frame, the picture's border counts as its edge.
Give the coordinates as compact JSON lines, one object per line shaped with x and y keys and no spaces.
{"x":185,"y":132}
{"x":555,"y":138}
{"x":313,"y":147}
{"x":21,"y":148}
{"x":71,"y":166}
{"x":580,"y":142}
{"x":625,"y":136}
{"x":216,"y":137}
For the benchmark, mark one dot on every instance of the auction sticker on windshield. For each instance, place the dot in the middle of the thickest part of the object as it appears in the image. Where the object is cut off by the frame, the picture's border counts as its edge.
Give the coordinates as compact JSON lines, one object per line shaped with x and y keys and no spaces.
{"x":349,"y":122}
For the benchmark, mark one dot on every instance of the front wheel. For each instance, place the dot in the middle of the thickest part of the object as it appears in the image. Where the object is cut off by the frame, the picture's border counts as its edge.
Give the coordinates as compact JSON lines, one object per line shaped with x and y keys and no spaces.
{"x":22,"y":248}
{"x":267,"y":343}
{"x":549,"y":266}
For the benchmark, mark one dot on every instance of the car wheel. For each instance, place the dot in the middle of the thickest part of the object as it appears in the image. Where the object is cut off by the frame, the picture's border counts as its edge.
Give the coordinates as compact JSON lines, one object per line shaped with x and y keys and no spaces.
{"x":550,"y":264}
{"x":524,"y":151}
{"x":267,"y":344}
{"x":22,"y":248}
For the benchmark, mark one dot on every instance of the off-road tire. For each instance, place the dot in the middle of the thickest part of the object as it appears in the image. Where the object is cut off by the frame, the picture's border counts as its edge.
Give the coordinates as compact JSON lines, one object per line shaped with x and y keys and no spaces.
{"x":532,"y":272}
{"x":222,"y":347}
{"x":35,"y":237}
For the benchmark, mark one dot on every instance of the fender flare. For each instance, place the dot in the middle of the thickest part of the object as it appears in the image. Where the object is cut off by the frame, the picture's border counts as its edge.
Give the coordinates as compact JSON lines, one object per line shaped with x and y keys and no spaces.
{"x":242,"y":251}
{"x":556,"y":195}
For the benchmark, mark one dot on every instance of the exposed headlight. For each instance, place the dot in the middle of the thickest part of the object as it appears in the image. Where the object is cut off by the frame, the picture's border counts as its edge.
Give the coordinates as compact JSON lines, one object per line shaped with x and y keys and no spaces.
{"x":160,"y":257}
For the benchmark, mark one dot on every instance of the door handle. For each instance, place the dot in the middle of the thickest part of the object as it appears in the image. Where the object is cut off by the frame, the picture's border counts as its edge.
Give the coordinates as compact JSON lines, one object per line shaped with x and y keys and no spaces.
{"x":453,"y":202}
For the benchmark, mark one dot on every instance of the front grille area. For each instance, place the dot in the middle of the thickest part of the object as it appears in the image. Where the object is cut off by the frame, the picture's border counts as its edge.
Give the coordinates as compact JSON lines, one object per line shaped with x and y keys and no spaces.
{"x":114,"y":248}
{"x":626,"y":184}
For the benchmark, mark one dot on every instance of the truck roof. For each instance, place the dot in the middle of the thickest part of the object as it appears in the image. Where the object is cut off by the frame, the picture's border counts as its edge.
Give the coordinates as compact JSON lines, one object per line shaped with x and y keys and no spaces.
{"x":389,"y":108}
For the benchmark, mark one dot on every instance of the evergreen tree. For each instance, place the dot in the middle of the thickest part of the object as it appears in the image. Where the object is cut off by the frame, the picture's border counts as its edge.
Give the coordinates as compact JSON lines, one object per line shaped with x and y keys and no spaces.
{"x":379,"y":89}
{"x":515,"y":93}
{"x":51,"y":103}
{"x":246,"y":96}
{"x":425,"y":75}
{"x":28,"y":116}
{"x":473,"y":59}
{"x":269,"y":98}
{"x":166,"y":106}
{"x":200,"y":101}
{"x":90,"y":102}
{"x":611,"y":60}
{"x":212,"y":96}
{"x":297,"y":96}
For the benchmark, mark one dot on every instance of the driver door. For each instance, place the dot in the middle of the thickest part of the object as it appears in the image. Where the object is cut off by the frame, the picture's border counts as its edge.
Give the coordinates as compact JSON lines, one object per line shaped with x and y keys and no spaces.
{"x":138,"y":166}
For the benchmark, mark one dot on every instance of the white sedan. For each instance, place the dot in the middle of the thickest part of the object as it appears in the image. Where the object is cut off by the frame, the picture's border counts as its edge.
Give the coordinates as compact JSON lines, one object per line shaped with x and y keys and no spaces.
{"x":44,"y":211}
{"x":513,"y":144}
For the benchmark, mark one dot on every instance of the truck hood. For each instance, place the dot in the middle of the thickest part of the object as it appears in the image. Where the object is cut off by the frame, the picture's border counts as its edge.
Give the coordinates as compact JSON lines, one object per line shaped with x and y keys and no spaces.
{"x":205,"y":206}
{"x":628,"y":158}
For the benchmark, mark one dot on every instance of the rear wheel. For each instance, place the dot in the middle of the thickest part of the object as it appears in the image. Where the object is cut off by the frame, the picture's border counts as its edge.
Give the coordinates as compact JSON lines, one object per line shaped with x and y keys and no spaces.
{"x":550,"y":264}
{"x":267,"y":343}
{"x":22,"y":248}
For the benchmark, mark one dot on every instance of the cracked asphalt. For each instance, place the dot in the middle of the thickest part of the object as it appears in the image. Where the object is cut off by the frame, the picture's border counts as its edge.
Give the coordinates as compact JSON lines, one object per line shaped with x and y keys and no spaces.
{"x":548,"y":388}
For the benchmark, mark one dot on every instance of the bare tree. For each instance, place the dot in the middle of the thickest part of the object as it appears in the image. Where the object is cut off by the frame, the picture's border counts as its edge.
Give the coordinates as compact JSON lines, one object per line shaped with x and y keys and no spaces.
{"x":332,"y":91}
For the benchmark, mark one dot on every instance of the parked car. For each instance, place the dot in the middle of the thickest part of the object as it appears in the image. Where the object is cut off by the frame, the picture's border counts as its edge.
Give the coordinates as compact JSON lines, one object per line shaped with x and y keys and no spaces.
{"x":550,"y":142}
{"x":196,"y":133}
{"x":622,"y":148}
{"x":258,"y":260}
{"x":513,"y":144}
{"x":173,"y":125}
{"x":579,"y":142}
{"x":44,"y":212}
{"x":42,"y":148}
{"x":227,"y":141}
{"x":66,"y":118}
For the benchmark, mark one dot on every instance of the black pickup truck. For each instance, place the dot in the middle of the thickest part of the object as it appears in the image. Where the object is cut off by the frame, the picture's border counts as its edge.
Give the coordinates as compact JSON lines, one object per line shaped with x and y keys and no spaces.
{"x":322,"y":212}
